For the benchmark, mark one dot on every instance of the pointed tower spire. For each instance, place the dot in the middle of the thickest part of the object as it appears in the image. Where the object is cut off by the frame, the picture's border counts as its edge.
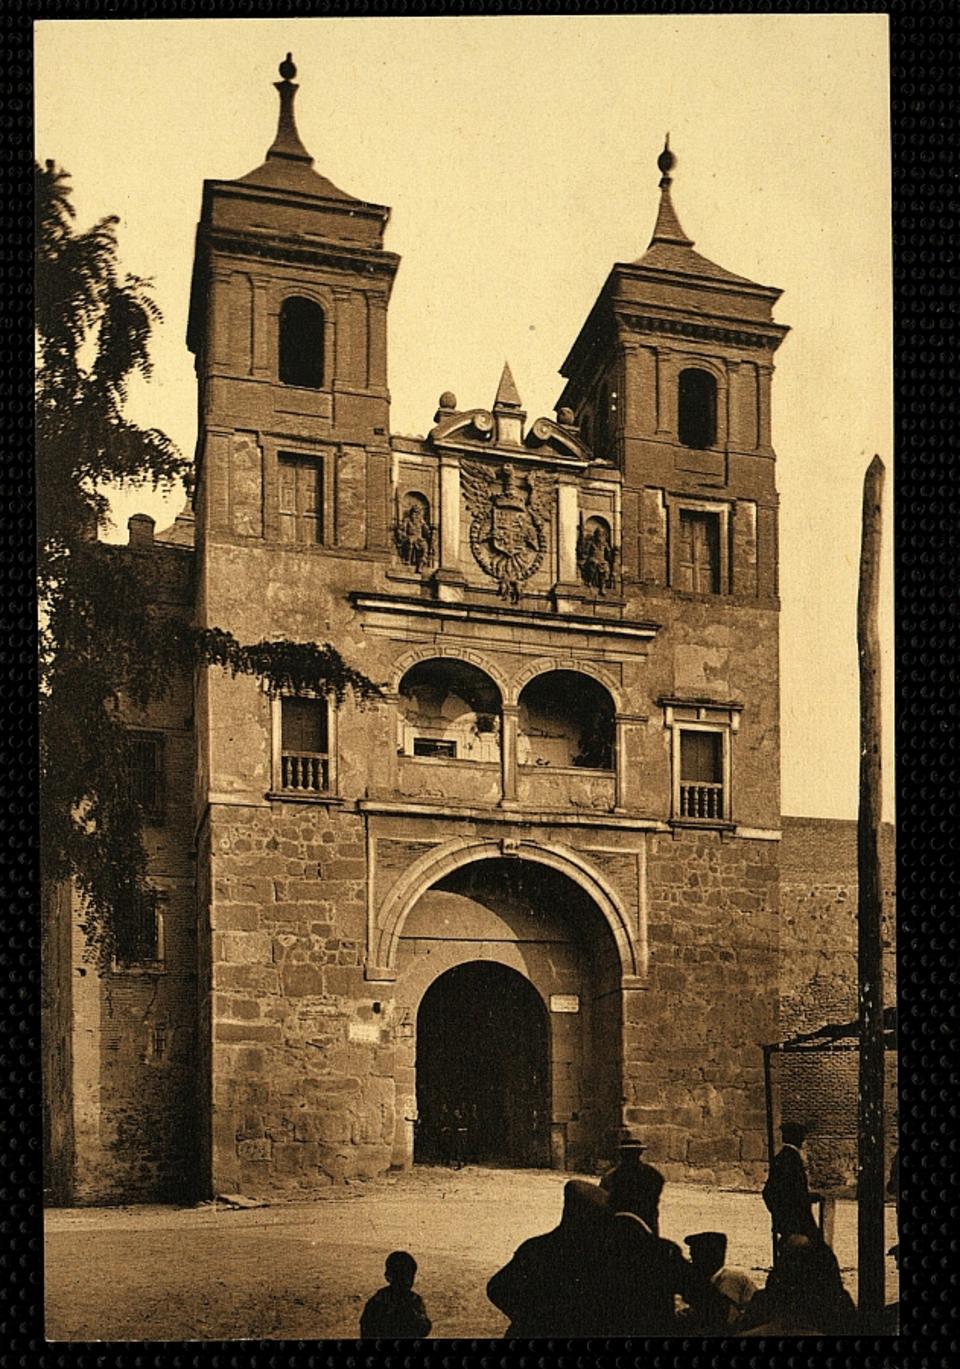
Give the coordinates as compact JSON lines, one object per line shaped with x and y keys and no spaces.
{"x":287,"y":144}
{"x":507,"y":395}
{"x":667,"y":228}
{"x":508,"y":410}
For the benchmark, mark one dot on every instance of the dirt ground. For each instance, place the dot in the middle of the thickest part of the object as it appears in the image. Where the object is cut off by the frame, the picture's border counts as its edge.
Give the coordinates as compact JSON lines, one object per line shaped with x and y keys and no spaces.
{"x":302,"y":1271}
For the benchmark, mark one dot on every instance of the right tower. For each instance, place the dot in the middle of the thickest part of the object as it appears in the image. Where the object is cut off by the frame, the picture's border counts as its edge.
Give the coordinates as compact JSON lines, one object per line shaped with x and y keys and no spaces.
{"x":669,"y":380}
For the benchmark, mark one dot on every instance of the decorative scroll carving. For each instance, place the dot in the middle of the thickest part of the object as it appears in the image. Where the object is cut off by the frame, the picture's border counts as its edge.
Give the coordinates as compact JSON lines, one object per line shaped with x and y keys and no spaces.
{"x":561,"y":439}
{"x":472,"y":424}
{"x":508,"y":528}
{"x":413,"y":532}
{"x":596,"y":554}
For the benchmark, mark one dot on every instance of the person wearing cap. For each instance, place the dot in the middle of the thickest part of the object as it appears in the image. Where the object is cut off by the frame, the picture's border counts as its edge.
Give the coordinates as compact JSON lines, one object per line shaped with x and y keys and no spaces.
{"x":786,"y":1192}
{"x":719,"y":1292}
{"x":633,"y":1185}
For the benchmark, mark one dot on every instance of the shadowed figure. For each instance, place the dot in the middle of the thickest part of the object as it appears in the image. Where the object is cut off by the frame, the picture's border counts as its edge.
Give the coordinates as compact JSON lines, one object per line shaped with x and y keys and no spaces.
{"x":632,"y":1185}
{"x":803,"y":1296}
{"x":642,"y":1278}
{"x":396,"y":1312}
{"x":551,"y":1286}
{"x":786,"y":1192}
{"x":719,"y":1292}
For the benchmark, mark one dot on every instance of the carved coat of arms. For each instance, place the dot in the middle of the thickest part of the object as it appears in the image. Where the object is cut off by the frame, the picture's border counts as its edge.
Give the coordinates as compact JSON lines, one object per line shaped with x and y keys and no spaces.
{"x":508,"y":525}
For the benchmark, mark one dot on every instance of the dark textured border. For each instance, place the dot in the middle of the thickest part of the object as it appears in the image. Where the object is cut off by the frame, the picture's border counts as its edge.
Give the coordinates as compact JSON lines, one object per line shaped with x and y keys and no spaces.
{"x":924,"y":38}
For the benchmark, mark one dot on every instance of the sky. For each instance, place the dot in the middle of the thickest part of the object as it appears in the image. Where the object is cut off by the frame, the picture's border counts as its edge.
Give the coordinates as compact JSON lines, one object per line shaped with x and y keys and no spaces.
{"x":518,"y":156}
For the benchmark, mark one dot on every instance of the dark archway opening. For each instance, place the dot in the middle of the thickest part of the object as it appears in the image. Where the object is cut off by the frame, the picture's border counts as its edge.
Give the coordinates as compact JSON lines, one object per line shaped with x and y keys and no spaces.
{"x":697,"y":408}
{"x":483,"y":1071}
{"x":301,"y":343}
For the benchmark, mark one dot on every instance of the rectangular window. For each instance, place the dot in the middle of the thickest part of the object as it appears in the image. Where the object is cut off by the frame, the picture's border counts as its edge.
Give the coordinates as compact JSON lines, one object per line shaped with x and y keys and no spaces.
{"x":145,"y":773}
{"x":137,"y":929}
{"x":434,"y":746}
{"x":305,"y":745}
{"x":701,"y":775}
{"x":698,"y":552}
{"x":300,"y":500}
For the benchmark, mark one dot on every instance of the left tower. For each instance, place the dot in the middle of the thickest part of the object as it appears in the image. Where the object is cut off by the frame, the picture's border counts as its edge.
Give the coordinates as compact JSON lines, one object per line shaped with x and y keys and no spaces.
{"x":288,"y":327}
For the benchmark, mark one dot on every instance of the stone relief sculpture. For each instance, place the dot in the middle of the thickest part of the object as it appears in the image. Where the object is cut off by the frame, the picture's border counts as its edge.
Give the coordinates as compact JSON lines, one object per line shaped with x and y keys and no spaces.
{"x":414,"y":533}
{"x":596,"y":555}
{"x":508,"y":527}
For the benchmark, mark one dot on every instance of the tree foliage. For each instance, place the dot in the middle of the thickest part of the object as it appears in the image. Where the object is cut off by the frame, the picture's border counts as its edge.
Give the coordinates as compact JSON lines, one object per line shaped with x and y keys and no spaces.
{"x":108,"y":650}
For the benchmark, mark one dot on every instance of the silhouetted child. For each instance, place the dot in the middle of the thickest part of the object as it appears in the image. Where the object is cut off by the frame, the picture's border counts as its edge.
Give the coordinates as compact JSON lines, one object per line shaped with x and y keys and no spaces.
{"x":396,"y":1312}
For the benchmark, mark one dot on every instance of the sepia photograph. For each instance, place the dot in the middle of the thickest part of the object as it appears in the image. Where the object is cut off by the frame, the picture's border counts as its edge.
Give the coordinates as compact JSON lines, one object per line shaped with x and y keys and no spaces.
{"x":464,"y":481}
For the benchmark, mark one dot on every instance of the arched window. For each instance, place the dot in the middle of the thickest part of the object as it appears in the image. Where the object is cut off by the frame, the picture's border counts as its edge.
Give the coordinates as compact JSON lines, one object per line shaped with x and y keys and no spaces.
{"x":697,"y":408}
{"x":450,"y":711}
{"x":301,"y":343}
{"x":566,"y":719}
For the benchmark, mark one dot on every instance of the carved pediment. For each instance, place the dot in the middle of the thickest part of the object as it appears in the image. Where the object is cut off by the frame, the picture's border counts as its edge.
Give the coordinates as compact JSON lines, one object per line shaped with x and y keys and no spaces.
{"x":472,"y":425}
{"x":548,"y":438}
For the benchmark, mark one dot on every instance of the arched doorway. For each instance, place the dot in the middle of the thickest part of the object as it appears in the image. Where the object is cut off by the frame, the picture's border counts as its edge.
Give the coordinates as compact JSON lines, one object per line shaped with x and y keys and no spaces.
{"x":482,"y":1068}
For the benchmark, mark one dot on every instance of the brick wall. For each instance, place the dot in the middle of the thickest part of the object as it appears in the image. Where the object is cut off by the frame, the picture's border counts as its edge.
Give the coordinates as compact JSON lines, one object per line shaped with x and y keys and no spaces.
{"x":818,"y":984}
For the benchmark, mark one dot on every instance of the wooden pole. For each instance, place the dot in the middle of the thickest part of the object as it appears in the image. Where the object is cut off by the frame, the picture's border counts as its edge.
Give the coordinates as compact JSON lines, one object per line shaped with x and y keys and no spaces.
{"x":870,"y":1179}
{"x":768,"y":1090}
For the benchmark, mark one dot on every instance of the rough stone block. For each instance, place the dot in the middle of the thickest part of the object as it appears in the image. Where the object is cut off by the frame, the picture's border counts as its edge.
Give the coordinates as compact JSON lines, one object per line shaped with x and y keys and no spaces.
{"x":243,"y":948}
{"x":302,"y":980}
{"x":753,"y":1146}
{"x":266,"y":1032}
{"x":255,"y":1148}
{"x":342,"y":980}
{"x":713,"y":1151}
{"x":287,"y":1157}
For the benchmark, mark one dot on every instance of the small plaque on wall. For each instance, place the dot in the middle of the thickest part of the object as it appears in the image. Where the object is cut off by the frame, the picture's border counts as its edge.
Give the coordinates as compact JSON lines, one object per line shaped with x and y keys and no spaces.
{"x":564,"y":1002}
{"x":363,"y":1031}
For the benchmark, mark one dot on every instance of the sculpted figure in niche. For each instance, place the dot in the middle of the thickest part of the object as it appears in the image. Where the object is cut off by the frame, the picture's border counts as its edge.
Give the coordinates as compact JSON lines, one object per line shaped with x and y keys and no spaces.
{"x":414,"y":533}
{"x":596,"y":555}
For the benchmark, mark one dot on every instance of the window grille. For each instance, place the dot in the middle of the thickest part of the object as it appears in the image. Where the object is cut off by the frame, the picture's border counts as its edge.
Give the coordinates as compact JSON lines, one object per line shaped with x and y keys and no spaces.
{"x":137,"y":929}
{"x":145,"y":773}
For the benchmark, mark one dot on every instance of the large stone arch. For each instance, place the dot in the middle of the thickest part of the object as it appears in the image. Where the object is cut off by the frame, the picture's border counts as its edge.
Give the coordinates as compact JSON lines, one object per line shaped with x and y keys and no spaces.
{"x":440,"y":653}
{"x":452,"y":855}
{"x":546,"y":665}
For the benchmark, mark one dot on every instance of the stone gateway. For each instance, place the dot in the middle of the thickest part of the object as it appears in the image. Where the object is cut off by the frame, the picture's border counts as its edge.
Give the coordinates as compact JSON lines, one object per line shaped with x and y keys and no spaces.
{"x":531,"y":896}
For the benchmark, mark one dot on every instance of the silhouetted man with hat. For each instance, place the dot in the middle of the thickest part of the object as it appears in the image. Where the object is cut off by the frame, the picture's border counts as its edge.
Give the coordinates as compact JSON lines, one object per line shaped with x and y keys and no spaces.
{"x":632,"y":1185}
{"x":719,"y":1292}
{"x":787,"y":1193}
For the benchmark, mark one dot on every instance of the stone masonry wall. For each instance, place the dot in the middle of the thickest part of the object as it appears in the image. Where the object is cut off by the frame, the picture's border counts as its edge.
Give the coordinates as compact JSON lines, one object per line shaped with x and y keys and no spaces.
{"x":818,"y":983}
{"x":692,"y":1036}
{"x":302,"y":1075}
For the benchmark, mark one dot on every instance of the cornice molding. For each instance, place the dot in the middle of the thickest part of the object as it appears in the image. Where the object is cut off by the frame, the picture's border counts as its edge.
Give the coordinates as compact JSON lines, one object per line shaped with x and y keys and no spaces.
{"x":272,"y":247}
{"x":768,"y":340}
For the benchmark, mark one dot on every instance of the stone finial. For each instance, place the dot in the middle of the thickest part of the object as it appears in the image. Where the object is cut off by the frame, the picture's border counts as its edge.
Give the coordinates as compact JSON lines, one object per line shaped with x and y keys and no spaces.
{"x":565,"y":417}
{"x":666,"y":162}
{"x":508,"y":411}
{"x":287,"y":145}
{"x":667,"y":228}
{"x":507,"y":394}
{"x":448,"y":400}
